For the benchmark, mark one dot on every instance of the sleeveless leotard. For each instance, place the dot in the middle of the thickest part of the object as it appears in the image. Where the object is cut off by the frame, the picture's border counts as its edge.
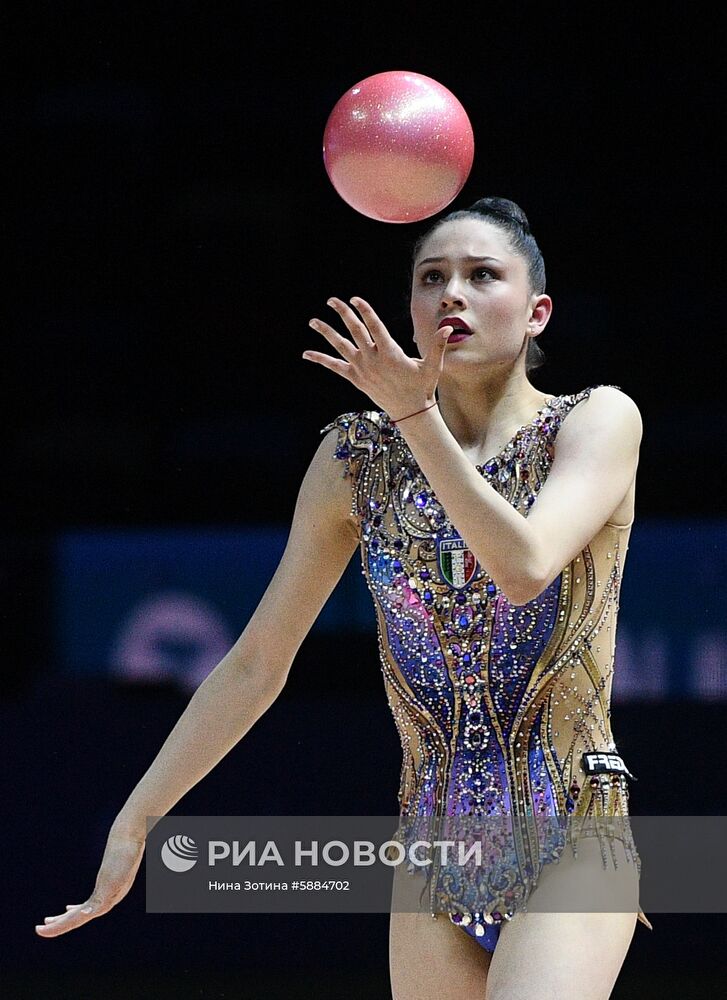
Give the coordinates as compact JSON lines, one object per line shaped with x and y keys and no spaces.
{"x":495,"y":704}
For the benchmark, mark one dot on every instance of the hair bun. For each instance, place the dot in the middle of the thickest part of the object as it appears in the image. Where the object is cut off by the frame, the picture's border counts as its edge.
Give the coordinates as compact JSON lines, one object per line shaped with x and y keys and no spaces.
{"x":503,"y":208}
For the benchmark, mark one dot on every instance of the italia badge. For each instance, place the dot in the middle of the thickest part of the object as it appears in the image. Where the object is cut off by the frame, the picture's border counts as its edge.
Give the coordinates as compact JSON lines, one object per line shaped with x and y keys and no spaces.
{"x":457,"y":563}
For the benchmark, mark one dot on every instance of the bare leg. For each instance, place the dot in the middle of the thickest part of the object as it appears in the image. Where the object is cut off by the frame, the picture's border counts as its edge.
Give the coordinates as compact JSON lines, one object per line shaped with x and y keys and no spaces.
{"x":430,"y":958}
{"x":568,"y":956}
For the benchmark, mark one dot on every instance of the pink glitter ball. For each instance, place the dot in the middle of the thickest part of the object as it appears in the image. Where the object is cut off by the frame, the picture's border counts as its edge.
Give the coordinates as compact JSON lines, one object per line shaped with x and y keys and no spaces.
{"x":398,"y":147}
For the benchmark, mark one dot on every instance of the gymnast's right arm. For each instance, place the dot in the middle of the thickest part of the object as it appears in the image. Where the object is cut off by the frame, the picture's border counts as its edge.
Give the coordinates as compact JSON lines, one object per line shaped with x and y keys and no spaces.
{"x":243,"y":685}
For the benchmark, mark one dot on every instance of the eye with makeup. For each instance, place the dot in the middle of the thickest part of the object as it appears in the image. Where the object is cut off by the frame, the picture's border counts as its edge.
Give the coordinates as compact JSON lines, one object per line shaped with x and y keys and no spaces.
{"x":480,"y":274}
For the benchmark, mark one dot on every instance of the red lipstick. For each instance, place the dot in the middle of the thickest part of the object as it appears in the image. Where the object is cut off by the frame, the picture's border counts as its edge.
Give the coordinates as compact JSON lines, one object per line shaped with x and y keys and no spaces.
{"x":460,"y":329}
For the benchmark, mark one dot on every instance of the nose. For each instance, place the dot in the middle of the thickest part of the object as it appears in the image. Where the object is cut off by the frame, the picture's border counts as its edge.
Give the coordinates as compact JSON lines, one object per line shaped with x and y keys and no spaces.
{"x":452,"y":294}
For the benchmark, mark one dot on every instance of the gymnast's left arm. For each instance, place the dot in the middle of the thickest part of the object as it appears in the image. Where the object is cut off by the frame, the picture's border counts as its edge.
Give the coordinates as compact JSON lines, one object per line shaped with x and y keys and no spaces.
{"x":595,"y":460}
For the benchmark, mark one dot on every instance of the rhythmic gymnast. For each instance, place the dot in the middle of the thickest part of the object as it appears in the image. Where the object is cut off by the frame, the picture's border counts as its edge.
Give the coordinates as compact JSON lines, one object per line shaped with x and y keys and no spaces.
{"x":493,"y":522}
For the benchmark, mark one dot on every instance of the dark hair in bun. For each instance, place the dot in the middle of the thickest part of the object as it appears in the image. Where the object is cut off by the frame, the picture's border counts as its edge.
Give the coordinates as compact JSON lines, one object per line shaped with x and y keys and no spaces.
{"x":508,"y":216}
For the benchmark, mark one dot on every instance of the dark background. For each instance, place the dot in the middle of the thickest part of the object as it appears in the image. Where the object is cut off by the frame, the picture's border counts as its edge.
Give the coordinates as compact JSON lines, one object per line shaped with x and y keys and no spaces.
{"x":169,"y":230}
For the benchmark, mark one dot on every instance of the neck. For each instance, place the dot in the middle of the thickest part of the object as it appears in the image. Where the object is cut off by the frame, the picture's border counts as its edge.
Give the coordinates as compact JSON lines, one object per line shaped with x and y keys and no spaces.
{"x":496,"y":404}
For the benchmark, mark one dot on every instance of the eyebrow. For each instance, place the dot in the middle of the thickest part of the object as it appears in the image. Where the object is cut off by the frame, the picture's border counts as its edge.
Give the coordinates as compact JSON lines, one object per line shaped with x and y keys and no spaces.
{"x":469,"y":257}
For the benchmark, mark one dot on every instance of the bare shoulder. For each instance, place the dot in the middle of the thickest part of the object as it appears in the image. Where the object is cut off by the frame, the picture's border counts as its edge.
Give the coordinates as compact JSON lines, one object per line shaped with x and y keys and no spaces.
{"x":326,"y":488}
{"x":597,"y":448}
{"x":616,"y":402}
{"x":607,"y":415}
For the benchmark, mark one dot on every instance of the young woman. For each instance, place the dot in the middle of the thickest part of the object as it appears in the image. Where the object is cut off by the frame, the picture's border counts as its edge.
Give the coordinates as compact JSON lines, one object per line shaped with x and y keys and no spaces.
{"x":493,"y":522}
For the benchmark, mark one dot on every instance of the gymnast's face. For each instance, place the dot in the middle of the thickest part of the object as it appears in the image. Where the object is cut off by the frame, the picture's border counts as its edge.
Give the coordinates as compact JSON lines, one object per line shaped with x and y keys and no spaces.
{"x":466,"y":270}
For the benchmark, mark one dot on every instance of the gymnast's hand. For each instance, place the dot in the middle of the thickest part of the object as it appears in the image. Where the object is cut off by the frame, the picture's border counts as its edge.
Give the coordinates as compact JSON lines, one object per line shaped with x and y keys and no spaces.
{"x":375,"y":363}
{"x":119,"y":866}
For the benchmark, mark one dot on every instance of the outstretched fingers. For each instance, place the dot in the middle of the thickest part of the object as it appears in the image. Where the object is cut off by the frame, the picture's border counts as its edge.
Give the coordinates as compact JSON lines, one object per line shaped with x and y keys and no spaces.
{"x":76,"y":914}
{"x":344,"y":347}
{"x":360,"y":333}
{"x":378,"y":334}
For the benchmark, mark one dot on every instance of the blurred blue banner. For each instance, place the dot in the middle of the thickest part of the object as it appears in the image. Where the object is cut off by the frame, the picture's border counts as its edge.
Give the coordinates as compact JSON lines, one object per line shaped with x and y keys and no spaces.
{"x":168,"y":604}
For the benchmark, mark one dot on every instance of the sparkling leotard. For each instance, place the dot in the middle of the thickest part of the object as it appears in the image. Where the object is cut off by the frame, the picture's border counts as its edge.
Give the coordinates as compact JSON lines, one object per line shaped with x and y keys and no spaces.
{"x":495,"y":704}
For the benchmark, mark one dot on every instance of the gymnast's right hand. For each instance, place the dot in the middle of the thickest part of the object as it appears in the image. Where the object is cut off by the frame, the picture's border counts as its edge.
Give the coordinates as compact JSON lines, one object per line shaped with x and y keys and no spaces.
{"x":119,"y":866}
